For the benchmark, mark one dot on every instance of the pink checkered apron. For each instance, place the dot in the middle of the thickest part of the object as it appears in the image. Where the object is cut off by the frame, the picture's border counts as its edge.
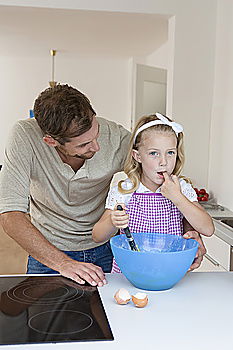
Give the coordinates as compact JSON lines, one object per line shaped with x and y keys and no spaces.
{"x":152,"y":212}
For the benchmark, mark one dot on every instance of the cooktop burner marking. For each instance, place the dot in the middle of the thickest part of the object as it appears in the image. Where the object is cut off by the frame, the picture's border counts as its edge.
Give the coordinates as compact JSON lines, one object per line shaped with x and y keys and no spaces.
{"x":63,"y":293}
{"x":71,"y":320}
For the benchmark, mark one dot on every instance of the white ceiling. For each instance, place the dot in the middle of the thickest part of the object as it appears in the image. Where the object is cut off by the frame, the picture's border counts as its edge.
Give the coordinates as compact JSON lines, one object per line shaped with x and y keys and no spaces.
{"x":34,"y":31}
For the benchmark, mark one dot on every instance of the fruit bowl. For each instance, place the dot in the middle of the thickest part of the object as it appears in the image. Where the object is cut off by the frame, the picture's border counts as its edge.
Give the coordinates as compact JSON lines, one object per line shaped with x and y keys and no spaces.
{"x":162,"y":261}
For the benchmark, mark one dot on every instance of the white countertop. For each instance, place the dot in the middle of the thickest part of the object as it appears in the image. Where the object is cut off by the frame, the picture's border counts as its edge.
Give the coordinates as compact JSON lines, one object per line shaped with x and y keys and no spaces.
{"x":195,"y":314}
{"x":222,"y":230}
{"x":216,"y":210}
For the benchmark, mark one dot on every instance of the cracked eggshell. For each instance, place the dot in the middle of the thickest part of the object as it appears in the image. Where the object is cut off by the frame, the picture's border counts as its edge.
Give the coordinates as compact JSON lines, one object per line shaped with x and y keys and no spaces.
{"x":140,"y":299}
{"x":122,"y":296}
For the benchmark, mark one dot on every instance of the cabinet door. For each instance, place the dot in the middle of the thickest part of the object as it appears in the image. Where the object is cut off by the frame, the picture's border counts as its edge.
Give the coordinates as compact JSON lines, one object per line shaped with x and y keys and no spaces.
{"x":209,"y":266}
{"x":218,"y":251}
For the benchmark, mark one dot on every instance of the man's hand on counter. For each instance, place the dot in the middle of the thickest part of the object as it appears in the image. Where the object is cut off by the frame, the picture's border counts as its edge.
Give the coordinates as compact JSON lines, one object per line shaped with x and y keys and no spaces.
{"x":81,"y":272}
{"x":17,"y":225}
{"x":201,"y":249}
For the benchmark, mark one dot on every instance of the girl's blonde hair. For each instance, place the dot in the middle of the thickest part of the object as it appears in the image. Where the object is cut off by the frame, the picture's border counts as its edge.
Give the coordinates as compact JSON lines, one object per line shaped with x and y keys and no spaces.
{"x":132,"y":168}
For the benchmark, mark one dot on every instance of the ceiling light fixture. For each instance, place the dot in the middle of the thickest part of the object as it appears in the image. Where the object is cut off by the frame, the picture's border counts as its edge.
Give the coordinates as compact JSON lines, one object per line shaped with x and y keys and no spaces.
{"x":53,"y":83}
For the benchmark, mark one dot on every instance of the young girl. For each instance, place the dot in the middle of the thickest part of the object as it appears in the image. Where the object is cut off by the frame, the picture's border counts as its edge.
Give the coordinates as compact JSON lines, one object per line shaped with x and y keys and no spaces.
{"x":154,"y":198}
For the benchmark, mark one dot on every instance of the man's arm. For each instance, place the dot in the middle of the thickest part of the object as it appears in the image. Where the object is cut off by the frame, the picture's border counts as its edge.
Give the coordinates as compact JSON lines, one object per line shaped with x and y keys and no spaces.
{"x":18,"y":227}
{"x":190,"y":233}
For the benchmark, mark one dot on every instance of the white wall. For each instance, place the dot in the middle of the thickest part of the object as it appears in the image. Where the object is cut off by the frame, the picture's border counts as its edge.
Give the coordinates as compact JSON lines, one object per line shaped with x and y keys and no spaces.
{"x":98,"y":61}
{"x":194,"y":55}
{"x":221,"y":143}
{"x":107,"y":84}
{"x":163,"y":58}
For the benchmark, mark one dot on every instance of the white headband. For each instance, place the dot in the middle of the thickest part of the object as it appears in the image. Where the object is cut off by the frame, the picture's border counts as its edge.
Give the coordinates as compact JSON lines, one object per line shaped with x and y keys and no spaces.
{"x":162,"y":120}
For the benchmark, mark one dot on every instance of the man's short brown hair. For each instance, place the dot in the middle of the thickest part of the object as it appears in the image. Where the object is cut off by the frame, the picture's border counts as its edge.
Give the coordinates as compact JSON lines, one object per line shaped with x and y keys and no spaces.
{"x":63,"y":112}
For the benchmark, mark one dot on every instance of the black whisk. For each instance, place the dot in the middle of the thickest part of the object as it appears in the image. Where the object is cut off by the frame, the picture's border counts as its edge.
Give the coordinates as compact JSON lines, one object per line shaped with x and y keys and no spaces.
{"x":129,"y":236}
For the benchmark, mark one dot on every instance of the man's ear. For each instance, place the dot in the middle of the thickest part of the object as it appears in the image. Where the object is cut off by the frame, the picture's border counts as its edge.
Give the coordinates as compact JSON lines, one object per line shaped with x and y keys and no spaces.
{"x":136,"y":155}
{"x":50,"y":141}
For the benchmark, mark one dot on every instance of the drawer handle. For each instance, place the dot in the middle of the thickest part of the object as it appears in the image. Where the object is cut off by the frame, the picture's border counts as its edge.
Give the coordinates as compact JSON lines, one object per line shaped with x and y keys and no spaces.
{"x":211,"y":260}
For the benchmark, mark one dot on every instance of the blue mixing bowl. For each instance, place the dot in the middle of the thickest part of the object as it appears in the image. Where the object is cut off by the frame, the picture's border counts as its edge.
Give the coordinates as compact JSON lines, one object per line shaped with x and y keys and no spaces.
{"x":162,"y":261}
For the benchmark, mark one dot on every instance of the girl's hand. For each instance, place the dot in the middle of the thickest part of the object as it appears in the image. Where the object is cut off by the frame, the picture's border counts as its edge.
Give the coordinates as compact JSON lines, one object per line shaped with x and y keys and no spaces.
{"x":119,"y":218}
{"x":171,"y":187}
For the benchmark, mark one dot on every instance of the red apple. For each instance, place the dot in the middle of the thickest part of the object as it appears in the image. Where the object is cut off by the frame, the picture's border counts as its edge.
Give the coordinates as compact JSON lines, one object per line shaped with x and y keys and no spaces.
{"x":206,"y":197}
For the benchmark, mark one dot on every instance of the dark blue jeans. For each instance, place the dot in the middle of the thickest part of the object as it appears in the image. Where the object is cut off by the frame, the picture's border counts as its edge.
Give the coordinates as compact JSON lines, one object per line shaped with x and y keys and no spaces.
{"x":100,"y":256}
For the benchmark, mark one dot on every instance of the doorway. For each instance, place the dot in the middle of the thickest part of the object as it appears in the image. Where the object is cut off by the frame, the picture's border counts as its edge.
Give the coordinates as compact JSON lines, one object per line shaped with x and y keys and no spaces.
{"x":151,"y":91}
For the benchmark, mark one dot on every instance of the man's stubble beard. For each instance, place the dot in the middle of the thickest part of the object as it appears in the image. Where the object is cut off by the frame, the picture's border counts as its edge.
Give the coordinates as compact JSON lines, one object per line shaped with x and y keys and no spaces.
{"x":82,"y":156}
{"x":64,"y":155}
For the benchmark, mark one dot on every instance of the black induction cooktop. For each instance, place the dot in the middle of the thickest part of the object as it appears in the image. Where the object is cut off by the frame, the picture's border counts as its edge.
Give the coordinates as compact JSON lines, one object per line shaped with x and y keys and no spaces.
{"x":50,"y":309}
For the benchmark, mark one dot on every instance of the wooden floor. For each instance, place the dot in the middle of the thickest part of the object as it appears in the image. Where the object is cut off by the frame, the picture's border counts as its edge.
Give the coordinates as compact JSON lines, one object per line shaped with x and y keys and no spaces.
{"x":13,"y":258}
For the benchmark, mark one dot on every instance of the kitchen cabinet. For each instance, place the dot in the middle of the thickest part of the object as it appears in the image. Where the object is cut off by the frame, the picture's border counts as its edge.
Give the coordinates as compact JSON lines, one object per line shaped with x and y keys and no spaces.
{"x":219,"y":247}
{"x":218,"y":253}
{"x":217,"y":257}
{"x":13,"y":258}
{"x":209,"y":266}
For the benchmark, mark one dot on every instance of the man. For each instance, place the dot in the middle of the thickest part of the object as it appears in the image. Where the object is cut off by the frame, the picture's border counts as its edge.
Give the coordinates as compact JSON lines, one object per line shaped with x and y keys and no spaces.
{"x":61,"y":164}
{"x":63,"y":161}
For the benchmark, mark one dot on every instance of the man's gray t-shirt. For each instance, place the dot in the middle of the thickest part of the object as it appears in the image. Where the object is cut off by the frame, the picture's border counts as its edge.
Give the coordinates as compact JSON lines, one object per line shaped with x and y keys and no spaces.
{"x":64,"y":205}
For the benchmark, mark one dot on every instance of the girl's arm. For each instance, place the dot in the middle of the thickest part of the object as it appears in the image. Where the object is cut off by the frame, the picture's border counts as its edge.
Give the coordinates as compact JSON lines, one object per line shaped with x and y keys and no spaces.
{"x":193,"y":212}
{"x":196,"y":216}
{"x":104,"y":228}
{"x":108,"y":224}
